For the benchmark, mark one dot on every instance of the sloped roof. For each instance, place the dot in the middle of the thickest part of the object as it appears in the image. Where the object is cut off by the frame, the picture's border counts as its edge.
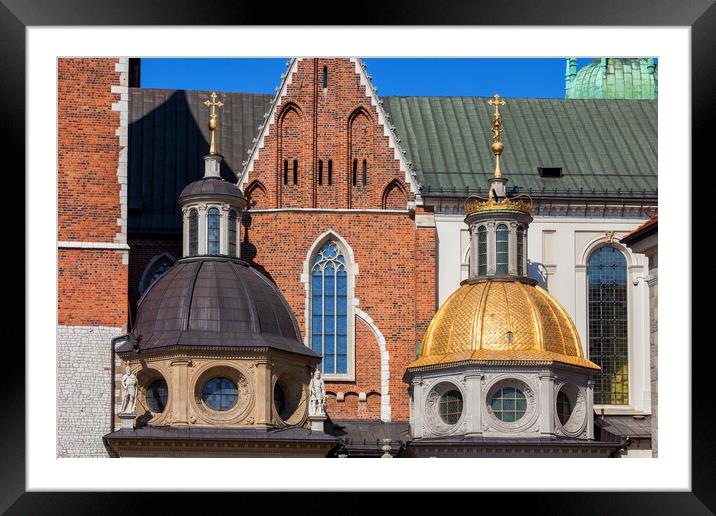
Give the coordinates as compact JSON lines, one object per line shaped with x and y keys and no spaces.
{"x":601,"y":145}
{"x":168,"y":135}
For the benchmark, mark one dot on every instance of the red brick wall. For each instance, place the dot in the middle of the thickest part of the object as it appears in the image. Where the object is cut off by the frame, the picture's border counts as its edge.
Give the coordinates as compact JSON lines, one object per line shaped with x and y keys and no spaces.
{"x":88,"y":150}
{"x":337,"y":123}
{"x":92,"y":284}
{"x":388,"y":255}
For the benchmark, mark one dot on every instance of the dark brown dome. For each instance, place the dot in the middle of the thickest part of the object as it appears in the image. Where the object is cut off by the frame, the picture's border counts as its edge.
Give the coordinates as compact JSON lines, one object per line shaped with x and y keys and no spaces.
{"x":213,"y":187}
{"x":217,"y":302}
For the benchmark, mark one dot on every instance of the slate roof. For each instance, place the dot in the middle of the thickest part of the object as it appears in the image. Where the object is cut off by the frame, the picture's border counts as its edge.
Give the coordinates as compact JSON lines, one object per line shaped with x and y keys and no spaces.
{"x":168,"y":135}
{"x":602,"y":145}
{"x":216,"y":302}
{"x":214,"y":186}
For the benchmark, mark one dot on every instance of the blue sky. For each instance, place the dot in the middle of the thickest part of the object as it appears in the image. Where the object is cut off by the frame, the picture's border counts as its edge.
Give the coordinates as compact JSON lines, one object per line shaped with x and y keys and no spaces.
{"x":511,"y":77}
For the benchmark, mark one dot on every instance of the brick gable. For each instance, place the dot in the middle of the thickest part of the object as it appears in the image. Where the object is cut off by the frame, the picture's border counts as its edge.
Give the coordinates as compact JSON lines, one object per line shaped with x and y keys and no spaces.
{"x":319,"y":141}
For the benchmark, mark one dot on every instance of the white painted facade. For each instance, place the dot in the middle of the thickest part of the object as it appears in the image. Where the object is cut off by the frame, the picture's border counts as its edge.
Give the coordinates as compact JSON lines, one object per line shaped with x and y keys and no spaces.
{"x":558,"y":248}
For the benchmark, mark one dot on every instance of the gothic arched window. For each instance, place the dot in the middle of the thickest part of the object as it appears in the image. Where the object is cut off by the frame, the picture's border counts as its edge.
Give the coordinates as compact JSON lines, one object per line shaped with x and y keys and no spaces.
{"x":501,"y":249}
{"x":329,"y":308}
{"x":232,"y":232}
{"x":213,"y":225}
{"x":482,"y":251}
{"x":193,"y":232}
{"x":364,"y":178}
{"x":608,"y":325}
{"x":155,"y":269}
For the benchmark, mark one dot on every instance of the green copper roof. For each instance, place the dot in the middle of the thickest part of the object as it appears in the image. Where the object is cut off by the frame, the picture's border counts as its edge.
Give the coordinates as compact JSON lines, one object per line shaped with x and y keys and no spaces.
{"x":602,"y":146}
{"x":612,"y":78}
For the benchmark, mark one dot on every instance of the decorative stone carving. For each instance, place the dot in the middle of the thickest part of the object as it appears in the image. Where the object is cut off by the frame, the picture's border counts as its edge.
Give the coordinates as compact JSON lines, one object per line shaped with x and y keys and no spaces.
{"x":317,"y":390}
{"x":129,"y":392}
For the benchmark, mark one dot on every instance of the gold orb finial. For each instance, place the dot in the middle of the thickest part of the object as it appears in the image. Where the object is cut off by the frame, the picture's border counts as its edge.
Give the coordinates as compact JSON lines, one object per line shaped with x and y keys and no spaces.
{"x":497,"y":146}
{"x":213,"y":120}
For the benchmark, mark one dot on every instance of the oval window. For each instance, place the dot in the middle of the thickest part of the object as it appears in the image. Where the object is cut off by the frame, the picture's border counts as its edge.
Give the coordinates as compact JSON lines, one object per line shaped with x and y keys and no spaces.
{"x":509,"y":404}
{"x":450,"y":407}
{"x":564,"y":407}
{"x":157,"y":395}
{"x":220,"y":394}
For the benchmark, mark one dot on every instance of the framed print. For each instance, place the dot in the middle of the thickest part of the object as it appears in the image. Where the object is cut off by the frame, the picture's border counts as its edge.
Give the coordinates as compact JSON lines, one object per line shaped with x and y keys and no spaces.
{"x":463,"y":279}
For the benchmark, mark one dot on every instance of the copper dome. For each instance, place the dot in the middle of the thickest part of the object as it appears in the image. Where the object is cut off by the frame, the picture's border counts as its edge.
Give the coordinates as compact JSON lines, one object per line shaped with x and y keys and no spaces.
{"x":215,"y":302}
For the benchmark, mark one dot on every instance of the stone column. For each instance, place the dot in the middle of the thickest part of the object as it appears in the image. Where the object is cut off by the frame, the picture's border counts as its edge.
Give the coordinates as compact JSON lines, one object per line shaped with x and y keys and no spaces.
{"x":512,"y":249}
{"x":473,"y":405}
{"x":185,"y":232}
{"x":202,"y":247}
{"x":224,"y":229}
{"x":181,"y":394}
{"x":491,"y":258}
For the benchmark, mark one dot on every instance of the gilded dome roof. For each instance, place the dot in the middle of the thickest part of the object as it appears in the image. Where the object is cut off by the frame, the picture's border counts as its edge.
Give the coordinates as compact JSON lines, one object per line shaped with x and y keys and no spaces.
{"x":501,"y":321}
{"x":621,"y":78}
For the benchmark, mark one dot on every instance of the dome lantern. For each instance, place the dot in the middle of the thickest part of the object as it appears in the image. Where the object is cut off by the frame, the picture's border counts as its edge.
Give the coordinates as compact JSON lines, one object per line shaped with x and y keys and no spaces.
{"x":211,"y":206}
{"x":498,"y":225}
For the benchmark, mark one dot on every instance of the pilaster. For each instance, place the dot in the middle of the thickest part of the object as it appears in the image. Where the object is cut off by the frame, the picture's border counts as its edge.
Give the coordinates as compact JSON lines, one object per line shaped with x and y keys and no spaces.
{"x":262,"y":408}
{"x":180,"y":392}
{"x":473,"y":407}
{"x":547,"y":404}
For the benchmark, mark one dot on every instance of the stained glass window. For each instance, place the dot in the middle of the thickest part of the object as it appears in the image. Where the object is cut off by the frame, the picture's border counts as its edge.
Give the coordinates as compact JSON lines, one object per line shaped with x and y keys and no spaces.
{"x":193,"y":232}
{"x":501,"y":249}
{"x":232,"y":232}
{"x":520,"y":251}
{"x":220,"y":394}
{"x":329,"y":308}
{"x":450,"y":407}
{"x":509,"y":404}
{"x":213,"y":246}
{"x":608,"y":325}
{"x":157,"y":394}
{"x":482,"y":251}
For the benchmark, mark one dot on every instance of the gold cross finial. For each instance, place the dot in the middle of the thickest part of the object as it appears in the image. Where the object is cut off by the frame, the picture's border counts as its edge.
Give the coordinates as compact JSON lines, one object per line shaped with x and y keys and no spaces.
{"x":497,"y":102}
{"x":213,"y":121}
{"x":497,"y":146}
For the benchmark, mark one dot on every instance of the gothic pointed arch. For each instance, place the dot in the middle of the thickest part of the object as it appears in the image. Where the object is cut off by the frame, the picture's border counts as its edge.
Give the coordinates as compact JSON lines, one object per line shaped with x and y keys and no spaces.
{"x":256,"y":195}
{"x":395,"y":196}
{"x":156,"y":267}
{"x":329,"y":275}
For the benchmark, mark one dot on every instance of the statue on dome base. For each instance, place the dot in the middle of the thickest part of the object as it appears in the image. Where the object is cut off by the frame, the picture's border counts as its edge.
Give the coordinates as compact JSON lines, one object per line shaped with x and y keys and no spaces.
{"x":317,"y":402}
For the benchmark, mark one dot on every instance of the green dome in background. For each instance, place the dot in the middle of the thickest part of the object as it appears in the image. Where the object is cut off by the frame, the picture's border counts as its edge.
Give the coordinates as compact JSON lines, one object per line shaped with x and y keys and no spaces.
{"x":612,"y":78}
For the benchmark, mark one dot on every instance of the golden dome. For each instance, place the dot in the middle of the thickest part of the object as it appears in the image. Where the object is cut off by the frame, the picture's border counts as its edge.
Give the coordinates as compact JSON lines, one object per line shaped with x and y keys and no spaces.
{"x":501,"y":321}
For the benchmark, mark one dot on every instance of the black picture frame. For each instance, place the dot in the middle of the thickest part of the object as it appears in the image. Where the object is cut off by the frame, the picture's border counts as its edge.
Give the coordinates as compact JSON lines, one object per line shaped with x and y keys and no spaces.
{"x":699,"y":15}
